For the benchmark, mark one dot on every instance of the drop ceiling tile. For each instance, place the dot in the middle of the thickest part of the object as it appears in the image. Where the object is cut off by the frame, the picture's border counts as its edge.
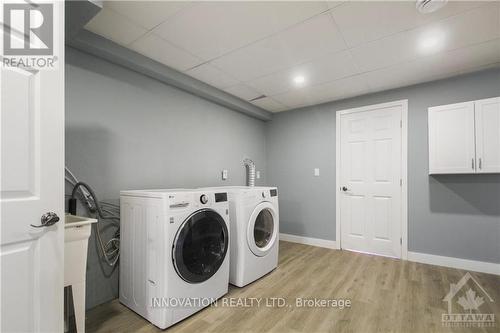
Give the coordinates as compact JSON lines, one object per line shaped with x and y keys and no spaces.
{"x":463,"y":59}
{"x":210,"y":29}
{"x":162,"y":51}
{"x":305,"y":41}
{"x":147,"y":14}
{"x":213,"y":76}
{"x":115,"y":27}
{"x":434,"y":67}
{"x":472,"y":27}
{"x":384,"y":52}
{"x":330,"y":91}
{"x":333,"y":4}
{"x":364,"y":21}
{"x":493,"y":66}
{"x":401,"y":75}
{"x":327,"y":68}
{"x":242,"y":91}
{"x":269,"y":104}
{"x":469,"y":57}
{"x":475,"y":26}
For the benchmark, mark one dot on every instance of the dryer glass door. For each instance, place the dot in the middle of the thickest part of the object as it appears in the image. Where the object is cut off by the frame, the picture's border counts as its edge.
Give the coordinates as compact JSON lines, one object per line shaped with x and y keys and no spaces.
{"x":200,"y":246}
{"x":262,"y":229}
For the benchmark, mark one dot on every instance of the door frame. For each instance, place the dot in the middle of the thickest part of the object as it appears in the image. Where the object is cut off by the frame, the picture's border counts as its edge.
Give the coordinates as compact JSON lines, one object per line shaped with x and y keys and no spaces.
{"x":404,"y":170}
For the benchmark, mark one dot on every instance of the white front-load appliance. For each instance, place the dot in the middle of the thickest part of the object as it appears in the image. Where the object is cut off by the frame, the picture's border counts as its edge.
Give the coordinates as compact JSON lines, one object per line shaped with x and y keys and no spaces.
{"x":174,"y":257}
{"x":254,"y":221}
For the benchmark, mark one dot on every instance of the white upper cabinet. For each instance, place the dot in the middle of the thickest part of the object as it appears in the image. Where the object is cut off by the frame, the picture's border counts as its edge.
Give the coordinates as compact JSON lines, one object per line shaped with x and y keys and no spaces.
{"x":488,"y":135}
{"x":465,"y":137}
{"x":451,"y":138}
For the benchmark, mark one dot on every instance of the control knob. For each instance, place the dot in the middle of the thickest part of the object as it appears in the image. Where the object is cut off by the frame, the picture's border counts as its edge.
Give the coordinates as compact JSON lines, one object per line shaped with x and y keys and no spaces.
{"x":204,"y":199}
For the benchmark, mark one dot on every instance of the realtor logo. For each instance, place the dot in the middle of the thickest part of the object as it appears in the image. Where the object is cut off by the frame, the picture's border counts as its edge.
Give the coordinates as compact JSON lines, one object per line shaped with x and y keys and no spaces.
{"x":465,"y":300}
{"x":28,"y":29}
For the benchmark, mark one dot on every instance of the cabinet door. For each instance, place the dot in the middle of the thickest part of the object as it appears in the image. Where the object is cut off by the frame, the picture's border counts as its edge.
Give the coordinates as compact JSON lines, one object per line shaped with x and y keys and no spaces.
{"x":487,"y":113}
{"x":451,"y":139}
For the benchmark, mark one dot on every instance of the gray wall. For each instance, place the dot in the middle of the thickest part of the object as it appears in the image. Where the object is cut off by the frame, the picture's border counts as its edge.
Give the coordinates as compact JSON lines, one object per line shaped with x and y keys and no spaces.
{"x":127,"y":131}
{"x":449,"y":215}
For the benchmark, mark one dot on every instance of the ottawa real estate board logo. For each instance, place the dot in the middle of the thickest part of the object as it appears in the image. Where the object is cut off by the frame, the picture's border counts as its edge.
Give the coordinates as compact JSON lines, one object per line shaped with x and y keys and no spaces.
{"x":28,"y":35}
{"x":467,"y":300}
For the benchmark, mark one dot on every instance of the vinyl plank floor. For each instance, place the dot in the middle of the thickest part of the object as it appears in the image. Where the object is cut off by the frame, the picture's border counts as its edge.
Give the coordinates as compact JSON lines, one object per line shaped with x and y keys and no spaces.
{"x":387,"y":295}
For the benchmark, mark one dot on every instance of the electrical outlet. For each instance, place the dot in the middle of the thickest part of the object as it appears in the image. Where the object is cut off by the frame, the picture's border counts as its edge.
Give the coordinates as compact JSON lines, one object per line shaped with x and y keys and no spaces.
{"x":257,"y":174}
{"x":224,"y":174}
{"x":316,"y":172}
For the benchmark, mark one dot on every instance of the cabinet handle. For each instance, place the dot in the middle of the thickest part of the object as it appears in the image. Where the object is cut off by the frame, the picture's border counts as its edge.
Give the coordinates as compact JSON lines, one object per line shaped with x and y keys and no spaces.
{"x":480,"y":163}
{"x":472,"y":163}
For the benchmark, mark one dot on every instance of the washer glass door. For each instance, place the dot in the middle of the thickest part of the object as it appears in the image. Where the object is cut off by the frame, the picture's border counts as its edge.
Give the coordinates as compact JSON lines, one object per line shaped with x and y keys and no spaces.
{"x":200,"y":246}
{"x":262,"y":229}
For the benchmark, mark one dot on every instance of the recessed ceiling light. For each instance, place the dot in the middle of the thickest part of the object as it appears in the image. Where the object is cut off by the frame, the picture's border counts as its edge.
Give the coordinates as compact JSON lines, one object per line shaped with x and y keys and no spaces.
{"x":430,"y":6}
{"x":299,"y":80}
{"x":431,"y":42}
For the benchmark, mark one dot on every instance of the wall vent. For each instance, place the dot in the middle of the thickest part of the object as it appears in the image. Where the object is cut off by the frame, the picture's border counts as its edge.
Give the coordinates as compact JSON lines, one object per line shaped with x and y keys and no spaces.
{"x":257,"y":98}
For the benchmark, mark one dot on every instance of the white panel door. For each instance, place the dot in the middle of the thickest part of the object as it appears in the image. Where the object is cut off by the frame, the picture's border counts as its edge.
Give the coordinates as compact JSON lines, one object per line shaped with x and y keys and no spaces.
{"x":451,"y":139}
{"x":31,"y":184}
{"x":370,"y":162}
{"x":487,"y":114}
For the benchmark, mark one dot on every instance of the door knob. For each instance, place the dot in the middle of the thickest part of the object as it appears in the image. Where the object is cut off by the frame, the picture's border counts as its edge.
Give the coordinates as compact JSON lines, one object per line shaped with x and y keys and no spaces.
{"x":47,"y":220}
{"x":345,"y":189}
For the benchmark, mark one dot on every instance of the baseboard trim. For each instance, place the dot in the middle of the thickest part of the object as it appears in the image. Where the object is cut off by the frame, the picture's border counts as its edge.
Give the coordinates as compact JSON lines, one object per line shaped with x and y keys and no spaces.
{"x":424,"y":258}
{"x":465,"y":264}
{"x":329,"y":244}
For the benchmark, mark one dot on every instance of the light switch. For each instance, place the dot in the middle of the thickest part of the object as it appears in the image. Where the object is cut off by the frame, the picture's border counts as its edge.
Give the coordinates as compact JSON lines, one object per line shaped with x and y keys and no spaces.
{"x":257,"y":174}
{"x":224,"y":174}
{"x":316,"y":172}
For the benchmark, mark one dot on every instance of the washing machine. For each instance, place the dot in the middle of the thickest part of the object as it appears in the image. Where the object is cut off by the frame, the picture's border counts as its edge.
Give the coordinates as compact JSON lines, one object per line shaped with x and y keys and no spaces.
{"x":254,"y":227}
{"x":174,"y":258}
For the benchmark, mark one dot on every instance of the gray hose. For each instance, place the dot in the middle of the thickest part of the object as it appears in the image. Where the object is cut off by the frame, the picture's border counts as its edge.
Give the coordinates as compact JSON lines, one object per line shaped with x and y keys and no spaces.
{"x":112,"y":247}
{"x":94,"y":197}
